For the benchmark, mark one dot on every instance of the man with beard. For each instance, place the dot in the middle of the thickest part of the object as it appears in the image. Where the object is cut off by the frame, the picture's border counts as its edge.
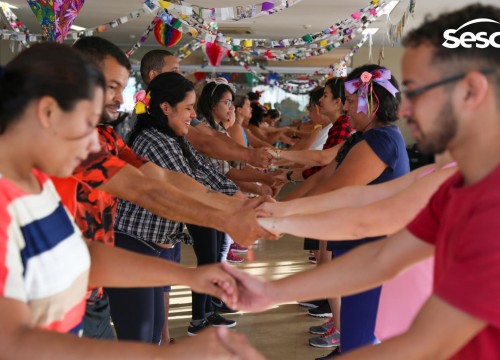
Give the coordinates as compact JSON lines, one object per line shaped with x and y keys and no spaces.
{"x":448,"y":91}
{"x":116,"y":171}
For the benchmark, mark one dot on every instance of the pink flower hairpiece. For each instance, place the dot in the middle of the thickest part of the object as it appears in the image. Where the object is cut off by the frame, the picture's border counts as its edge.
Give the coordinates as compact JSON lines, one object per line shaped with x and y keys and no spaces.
{"x":142,"y":102}
{"x":363,"y":86}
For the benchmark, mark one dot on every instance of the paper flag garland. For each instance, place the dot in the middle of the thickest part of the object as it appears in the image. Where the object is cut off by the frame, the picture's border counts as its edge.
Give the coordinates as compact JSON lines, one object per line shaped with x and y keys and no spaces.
{"x":56,"y":16}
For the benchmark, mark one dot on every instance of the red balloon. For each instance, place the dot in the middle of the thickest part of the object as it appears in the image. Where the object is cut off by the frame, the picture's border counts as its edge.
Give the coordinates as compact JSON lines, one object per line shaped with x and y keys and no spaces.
{"x":215,"y":53}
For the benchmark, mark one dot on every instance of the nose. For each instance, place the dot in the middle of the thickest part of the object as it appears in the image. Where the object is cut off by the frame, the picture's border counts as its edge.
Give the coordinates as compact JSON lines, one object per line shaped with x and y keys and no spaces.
{"x":344,"y":107}
{"x":193,"y":114}
{"x":118,"y":97}
{"x":94,"y":145}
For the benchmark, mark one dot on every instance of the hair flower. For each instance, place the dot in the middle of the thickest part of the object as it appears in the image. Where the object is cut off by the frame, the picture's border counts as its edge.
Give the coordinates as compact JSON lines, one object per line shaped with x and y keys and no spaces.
{"x":142,"y":102}
{"x":366,"y":76}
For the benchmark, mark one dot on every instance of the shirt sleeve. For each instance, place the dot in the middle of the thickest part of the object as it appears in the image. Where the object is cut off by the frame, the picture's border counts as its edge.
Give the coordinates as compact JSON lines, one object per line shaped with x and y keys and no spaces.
{"x":383,"y":144}
{"x":98,"y":168}
{"x":128,"y":155}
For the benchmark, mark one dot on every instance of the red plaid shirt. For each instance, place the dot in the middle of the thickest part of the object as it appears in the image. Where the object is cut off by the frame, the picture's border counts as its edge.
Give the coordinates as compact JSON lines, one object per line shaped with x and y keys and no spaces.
{"x":340,"y":131}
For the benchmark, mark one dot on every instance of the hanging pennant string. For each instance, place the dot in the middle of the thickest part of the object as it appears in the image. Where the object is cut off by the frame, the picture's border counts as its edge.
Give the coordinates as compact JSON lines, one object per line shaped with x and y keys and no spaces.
{"x":14,"y":25}
{"x":143,"y":37}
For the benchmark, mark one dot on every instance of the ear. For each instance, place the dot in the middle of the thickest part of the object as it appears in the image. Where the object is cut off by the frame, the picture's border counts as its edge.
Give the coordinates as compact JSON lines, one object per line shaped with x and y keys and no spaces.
{"x":152,"y":74}
{"x":475,"y":90}
{"x":45,"y":109}
{"x":166,"y":108}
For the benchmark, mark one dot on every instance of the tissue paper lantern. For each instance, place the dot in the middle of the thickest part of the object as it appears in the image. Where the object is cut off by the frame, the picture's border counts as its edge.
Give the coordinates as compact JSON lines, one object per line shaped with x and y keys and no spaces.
{"x":166,"y":35}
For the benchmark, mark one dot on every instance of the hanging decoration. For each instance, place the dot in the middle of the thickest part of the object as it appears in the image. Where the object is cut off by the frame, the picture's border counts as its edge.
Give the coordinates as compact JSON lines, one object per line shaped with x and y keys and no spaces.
{"x":14,"y":25}
{"x":214,"y":52}
{"x":56,"y":16}
{"x":143,"y":37}
{"x":166,"y":35}
{"x":395,"y":31}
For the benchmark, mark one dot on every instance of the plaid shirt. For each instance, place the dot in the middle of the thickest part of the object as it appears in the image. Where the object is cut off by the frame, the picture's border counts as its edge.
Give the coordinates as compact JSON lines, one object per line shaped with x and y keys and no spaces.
{"x":165,"y":151}
{"x":340,"y":131}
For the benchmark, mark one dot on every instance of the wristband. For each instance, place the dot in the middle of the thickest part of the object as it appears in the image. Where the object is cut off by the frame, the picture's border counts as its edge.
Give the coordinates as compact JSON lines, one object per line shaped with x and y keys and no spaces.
{"x":318,"y":127}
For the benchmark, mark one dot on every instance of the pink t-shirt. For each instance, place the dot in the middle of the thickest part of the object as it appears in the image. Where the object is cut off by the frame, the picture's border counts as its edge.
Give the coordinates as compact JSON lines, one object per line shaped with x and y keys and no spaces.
{"x":462,"y":223}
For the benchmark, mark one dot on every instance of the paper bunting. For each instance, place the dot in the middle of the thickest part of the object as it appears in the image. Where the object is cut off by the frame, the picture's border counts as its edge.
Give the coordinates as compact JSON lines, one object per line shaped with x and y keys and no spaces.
{"x":56,"y":16}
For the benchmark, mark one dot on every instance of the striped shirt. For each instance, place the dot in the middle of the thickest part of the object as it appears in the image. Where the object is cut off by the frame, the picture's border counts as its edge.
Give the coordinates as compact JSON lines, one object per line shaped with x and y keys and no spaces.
{"x":44,"y":261}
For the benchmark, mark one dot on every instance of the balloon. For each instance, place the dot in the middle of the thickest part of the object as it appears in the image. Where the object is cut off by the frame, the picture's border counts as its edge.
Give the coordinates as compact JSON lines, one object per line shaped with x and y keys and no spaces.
{"x":166,"y":35}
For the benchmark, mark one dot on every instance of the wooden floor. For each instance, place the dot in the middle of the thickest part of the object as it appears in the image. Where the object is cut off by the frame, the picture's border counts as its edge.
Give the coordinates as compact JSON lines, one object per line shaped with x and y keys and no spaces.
{"x":279,"y":333}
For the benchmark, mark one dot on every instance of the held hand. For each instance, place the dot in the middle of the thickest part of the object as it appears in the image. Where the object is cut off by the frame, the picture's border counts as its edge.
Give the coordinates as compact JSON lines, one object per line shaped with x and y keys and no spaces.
{"x":243,"y":227}
{"x":266,"y":190}
{"x":270,"y":224}
{"x":238,"y":345}
{"x":255,"y":294}
{"x":213,"y":280}
{"x":259,"y":157}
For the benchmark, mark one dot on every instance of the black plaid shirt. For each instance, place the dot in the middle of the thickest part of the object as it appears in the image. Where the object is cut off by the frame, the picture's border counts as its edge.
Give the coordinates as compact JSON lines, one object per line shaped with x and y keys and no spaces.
{"x":340,"y":131}
{"x":165,"y":151}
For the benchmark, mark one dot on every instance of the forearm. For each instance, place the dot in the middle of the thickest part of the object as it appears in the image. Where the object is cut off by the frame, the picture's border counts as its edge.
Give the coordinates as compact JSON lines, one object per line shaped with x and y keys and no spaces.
{"x":217,"y":146}
{"x":115,"y":267}
{"x":249,"y":175}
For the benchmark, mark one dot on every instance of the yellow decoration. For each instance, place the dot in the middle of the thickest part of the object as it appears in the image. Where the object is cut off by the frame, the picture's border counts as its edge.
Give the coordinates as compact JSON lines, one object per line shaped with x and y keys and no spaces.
{"x":323,"y":43}
{"x":375,"y":2}
{"x":188,"y":53}
{"x":247,"y":43}
{"x":164,"y":4}
{"x":184,"y":16}
{"x":140,"y":108}
{"x":290,"y":56}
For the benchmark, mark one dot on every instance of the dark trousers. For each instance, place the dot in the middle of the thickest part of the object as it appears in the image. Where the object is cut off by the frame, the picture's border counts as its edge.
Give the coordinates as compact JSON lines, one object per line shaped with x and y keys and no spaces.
{"x":97,"y":320}
{"x":206,"y":244}
{"x":138,"y":313}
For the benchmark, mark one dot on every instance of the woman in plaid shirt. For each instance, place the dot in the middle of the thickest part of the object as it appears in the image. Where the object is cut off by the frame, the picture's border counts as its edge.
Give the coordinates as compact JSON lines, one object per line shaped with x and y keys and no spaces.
{"x":158,"y":136}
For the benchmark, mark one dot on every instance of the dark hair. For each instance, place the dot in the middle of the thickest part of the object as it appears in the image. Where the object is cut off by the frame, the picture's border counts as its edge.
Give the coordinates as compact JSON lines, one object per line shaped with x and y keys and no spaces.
{"x":153,"y":60}
{"x":98,"y":49}
{"x":210,"y":95}
{"x":273,"y":114}
{"x":168,"y":87}
{"x":336,"y":86}
{"x":46,"y":69}
{"x":388,"y":104}
{"x":258,"y":112}
{"x":460,"y":59}
{"x":239,"y":100}
{"x":253,"y":96}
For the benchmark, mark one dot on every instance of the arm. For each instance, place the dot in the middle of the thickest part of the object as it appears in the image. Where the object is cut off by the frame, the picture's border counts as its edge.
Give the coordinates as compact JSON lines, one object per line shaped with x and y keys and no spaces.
{"x":255,"y":141}
{"x":352,"y":223}
{"x":438,"y":332}
{"x":360,"y":167}
{"x":236,"y":133}
{"x":190,"y":202}
{"x":313,"y":181}
{"x":219,"y":146}
{"x":349,"y":196}
{"x":308,"y":157}
{"x":305,"y":142}
{"x":115,"y":267}
{"x":364,"y":267}
{"x":20,"y":341}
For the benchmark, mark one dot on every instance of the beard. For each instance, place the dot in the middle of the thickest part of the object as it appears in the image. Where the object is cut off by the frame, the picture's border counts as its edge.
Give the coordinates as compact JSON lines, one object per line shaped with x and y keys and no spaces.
{"x":445,"y":129}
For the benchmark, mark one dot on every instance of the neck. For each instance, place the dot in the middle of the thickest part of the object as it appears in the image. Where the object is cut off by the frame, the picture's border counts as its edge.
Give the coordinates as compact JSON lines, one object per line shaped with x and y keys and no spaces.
{"x":335,"y":116}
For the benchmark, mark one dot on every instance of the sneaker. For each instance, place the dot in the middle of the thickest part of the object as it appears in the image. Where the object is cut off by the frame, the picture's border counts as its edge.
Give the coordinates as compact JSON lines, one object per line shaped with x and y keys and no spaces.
{"x":217,"y":320}
{"x":321,"y":311}
{"x":322,"y":329}
{"x":330,"y":339}
{"x":195,"y":329}
{"x":233,"y":258}
{"x":335,"y":352}
{"x":313,"y":304}
{"x":221,"y":307}
{"x":237,"y":248}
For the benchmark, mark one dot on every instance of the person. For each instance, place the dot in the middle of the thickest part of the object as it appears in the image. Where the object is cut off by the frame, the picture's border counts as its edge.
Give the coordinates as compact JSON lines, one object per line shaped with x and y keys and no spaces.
{"x":446,"y":91}
{"x":204,"y":139}
{"x":158,"y":135}
{"x":117,"y":172}
{"x":46,"y":266}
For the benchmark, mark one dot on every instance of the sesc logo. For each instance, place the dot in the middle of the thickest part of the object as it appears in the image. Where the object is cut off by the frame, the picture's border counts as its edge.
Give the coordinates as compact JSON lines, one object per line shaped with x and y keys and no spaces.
{"x":468,"y":39}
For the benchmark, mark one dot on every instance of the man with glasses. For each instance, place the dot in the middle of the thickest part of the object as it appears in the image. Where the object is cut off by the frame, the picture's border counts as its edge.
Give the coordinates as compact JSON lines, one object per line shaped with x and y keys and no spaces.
{"x":452,"y":102}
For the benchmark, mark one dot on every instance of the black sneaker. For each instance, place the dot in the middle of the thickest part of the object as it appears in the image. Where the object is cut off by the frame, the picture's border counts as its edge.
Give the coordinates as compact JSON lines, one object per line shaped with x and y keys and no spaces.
{"x":332,"y":355}
{"x":217,"y":320}
{"x":195,"y":329}
{"x":313,"y":304}
{"x":221,"y":307}
{"x":321,"y":311}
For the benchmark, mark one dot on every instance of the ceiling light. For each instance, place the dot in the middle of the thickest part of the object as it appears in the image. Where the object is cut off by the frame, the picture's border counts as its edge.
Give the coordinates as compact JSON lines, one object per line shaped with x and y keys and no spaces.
{"x":389,"y":7}
{"x":9,"y":6}
{"x":77,"y":28}
{"x":369,"y":31}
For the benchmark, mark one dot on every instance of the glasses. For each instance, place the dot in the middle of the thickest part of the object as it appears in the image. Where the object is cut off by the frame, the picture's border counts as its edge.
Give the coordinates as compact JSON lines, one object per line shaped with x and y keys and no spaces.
{"x":410,"y":94}
{"x":228,"y":102}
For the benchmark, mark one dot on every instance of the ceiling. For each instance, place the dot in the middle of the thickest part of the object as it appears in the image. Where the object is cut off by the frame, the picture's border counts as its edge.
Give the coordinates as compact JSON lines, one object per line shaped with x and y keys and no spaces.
{"x":308,"y":16}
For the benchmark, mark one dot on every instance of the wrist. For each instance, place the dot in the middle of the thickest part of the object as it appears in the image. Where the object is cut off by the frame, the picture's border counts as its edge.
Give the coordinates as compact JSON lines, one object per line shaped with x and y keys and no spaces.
{"x":289,"y":176}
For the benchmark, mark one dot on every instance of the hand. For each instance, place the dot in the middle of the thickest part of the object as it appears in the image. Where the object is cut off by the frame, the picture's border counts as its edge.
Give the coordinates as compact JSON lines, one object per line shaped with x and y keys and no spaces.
{"x":269,"y":223}
{"x":259,"y":157}
{"x":243,"y":227}
{"x":238,"y":345}
{"x":265,"y":190}
{"x":213,"y":280}
{"x":255,"y":294}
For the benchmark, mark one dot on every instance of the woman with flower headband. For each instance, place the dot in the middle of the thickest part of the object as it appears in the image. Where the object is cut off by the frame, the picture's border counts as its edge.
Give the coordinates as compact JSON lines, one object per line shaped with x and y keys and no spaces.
{"x":164,"y":117}
{"x":376,"y":153}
